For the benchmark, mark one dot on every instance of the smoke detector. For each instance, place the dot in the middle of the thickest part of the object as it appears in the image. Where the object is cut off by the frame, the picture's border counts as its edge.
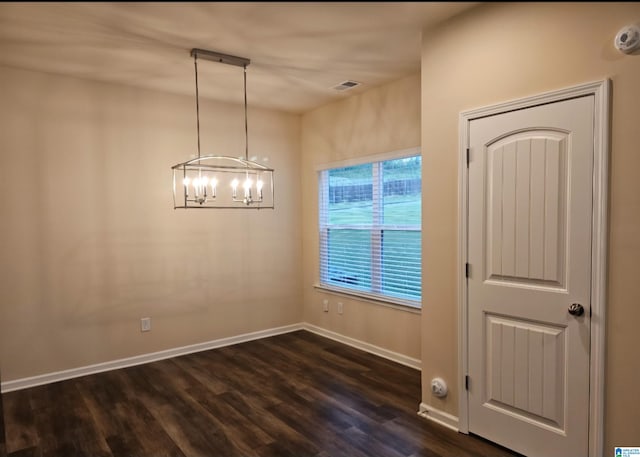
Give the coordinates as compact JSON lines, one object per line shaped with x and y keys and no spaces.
{"x":628,"y":39}
{"x":346,"y":85}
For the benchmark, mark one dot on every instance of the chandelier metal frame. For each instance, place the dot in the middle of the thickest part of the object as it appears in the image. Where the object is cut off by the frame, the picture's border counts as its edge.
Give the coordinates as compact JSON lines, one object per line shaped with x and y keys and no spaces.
{"x":195,"y":182}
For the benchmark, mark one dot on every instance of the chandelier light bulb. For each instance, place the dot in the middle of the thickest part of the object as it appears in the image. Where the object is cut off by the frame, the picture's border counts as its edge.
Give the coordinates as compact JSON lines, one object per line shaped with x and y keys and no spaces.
{"x":186,"y":182}
{"x":197,"y":189}
{"x":214,"y":185}
{"x":247,"y":188}
{"x":234,"y":187}
{"x":259,"y":185}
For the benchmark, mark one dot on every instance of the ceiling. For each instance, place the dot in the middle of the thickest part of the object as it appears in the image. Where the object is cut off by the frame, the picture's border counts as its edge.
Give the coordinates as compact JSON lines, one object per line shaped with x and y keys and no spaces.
{"x":298,"y":50}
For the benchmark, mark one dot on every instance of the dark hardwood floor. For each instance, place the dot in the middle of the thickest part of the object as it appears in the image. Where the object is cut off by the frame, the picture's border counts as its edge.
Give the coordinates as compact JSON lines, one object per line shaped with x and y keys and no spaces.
{"x":296,"y":395}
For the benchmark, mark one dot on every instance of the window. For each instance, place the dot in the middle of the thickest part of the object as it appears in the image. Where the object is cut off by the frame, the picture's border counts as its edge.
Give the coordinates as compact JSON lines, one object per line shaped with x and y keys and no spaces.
{"x":370,"y":229}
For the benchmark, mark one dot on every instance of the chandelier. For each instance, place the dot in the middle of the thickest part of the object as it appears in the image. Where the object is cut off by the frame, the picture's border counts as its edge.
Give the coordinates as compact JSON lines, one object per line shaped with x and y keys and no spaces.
{"x":213,"y":181}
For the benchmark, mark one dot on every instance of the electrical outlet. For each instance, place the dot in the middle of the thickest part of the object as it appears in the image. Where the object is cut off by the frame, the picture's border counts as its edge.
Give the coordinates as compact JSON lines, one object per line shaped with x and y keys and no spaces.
{"x":325,"y":305}
{"x":145,"y":324}
{"x":340,"y":307}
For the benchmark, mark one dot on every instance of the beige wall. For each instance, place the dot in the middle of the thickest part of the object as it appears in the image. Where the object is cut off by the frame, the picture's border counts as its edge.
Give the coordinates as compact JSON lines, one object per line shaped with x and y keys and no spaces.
{"x":382,"y":119}
{"x":89,"y":238}
{"x":504,"y":51}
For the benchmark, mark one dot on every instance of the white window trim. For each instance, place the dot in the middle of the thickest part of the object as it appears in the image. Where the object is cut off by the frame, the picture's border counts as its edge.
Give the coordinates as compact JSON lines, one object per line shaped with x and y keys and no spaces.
{"x":390,"y":302}
{"x":414,"y":306}
{"x":381,"y":157}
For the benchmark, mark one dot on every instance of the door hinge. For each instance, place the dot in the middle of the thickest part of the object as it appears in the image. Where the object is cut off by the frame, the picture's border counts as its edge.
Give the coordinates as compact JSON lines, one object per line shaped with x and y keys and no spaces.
{"x":468,"y":157}
{"x":466,"y":382}
{"x":467,"y":267}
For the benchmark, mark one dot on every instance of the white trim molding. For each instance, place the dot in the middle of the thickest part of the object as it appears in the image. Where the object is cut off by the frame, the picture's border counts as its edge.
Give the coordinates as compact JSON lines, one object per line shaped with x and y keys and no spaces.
{"x":601,"y":93}
{"x":375,"y":350}
{"x":389,"y":302}
{"x":440,"y":417}
{"x":48,"y":378}
{"x":142,"y":359}
{"x":380,"y":157}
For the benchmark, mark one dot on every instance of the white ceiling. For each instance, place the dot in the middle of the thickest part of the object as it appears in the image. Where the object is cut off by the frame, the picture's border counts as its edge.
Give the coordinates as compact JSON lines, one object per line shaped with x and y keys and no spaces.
{"x":298,"y":50}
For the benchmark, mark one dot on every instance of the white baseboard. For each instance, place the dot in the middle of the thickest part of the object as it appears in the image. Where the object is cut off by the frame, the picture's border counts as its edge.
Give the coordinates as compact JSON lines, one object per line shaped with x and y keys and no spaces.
{"x":142,"y":359}
{"x":439,"y":417}
{"x":48,"y":378}
{"x":376,"y":350}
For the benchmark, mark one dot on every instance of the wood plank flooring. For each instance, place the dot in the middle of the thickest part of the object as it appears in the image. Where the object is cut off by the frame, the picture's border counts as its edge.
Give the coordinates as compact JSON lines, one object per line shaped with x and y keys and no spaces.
{"x":296,"y":394}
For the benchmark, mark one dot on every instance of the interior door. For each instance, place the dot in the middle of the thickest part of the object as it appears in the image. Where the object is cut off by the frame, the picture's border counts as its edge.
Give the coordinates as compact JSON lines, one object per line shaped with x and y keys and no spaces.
{"x":529,"y":253}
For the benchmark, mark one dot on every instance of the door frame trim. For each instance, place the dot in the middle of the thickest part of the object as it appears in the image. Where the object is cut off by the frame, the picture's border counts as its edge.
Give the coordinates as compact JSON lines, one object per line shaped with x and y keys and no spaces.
{"x":601,"y":92}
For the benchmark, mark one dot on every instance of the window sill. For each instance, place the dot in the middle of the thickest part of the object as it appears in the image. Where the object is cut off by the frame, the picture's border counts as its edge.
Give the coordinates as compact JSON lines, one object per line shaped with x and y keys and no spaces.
{"x":389,"y":302}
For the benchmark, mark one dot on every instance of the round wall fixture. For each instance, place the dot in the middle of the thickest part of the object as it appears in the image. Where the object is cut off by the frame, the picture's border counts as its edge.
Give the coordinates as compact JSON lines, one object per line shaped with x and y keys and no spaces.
{"x":439,"y":387}
{"x":628,"y":39}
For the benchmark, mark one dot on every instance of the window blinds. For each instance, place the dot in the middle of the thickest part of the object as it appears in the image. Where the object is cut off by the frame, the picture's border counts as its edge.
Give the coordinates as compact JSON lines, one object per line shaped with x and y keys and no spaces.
{"x":370,"y":229}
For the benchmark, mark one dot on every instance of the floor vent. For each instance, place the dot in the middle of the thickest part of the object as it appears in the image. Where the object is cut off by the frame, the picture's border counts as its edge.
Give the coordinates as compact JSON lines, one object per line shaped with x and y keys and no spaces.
{"x":346,"y":85}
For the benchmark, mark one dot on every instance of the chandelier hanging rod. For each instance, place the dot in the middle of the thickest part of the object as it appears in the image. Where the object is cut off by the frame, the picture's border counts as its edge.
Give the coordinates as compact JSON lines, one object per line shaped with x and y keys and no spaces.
{"x":220,"y":57}
{"x":228,"y":59}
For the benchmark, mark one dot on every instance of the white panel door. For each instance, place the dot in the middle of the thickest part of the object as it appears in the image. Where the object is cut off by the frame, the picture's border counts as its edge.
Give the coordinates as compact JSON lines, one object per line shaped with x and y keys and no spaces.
{"x":529,"y":251}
